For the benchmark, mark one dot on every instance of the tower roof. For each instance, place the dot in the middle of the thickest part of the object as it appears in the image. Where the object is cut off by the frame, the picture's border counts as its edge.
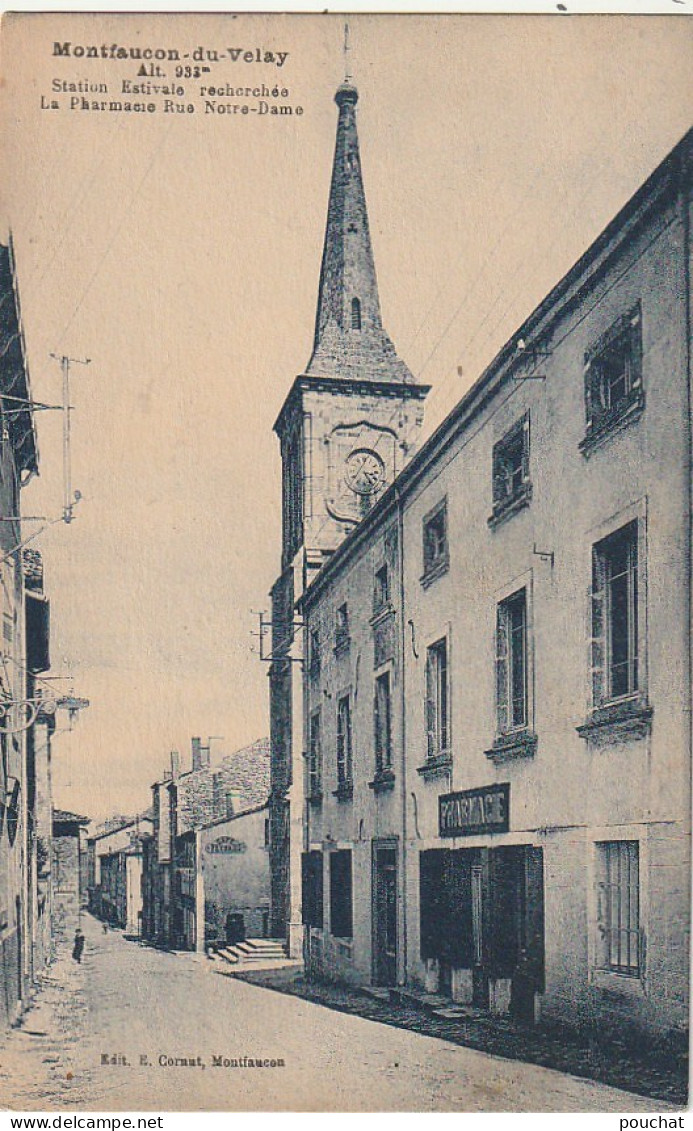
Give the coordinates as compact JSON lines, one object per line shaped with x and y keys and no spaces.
{"x":350,"y":341}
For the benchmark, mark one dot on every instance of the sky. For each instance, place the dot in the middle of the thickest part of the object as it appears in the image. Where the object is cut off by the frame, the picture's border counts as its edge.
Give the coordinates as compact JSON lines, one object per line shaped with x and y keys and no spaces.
{"x":181,"y":254}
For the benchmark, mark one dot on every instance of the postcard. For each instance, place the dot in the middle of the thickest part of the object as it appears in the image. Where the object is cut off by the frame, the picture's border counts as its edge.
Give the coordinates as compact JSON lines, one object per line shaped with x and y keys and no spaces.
{"x":345,"y":559}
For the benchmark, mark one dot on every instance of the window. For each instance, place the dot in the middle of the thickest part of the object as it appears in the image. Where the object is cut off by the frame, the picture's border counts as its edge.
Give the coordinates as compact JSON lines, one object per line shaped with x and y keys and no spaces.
{"x":292,"y":491}
{"x":437,"y":721}
{"x":614,"y":658}
{"x":344,"y":755}
{"x":435,"y":542}
{"x":613,"y":376}
{"x":511,"y":663}
{"x":383,"y":723}
{"x":314,"y":656}
{"x":315,"y":759}
{"x":618,"y":907}
{"x":340,"y":894}
{"x":511,"y":485}
{"x":341,"y":630}
{"x":312,"y":889}
{"x":381,"y":589}
{"x":355,"y":314}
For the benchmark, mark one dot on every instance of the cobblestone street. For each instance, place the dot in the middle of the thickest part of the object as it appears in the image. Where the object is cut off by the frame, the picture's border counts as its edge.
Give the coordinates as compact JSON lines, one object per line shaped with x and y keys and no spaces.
{"x":137,"y":1005}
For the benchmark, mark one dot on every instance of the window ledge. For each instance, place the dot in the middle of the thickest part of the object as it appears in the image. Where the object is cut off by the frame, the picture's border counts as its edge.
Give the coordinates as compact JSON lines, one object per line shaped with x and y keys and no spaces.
{"x":625,"y":985}
{"x":609,"y":423}
{"x":344,"y":791}
{"x":519,"y":744}
{"x":314,"y":799}
{"x":506,"y":508}
{"x":617,"y":722}
{"x":383,"y":781}
{"x":382,"y":614}
{"x":436,"y":766}
{"x":435,"y":571}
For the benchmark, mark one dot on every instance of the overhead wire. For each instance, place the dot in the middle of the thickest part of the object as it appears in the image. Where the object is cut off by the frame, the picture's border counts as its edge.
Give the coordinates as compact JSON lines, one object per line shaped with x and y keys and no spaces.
{"x":525,"y":279}
{"x":499,"y":241}
{"x":116,"y":231}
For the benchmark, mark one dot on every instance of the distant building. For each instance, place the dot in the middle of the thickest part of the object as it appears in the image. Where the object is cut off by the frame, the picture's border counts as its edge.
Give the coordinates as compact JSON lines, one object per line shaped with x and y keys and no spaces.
{"x":497,"y":673}
{"x":182,"y":804}
{"x":115,"y":872}
{"x":224,"y":880}
{"x":69,"y":843}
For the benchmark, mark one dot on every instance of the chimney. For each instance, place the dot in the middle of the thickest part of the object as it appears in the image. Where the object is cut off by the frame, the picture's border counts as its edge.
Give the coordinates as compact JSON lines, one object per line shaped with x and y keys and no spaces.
{"x":175,"y":764}
{"x":200,"y":755}
{"x":234,"y":802}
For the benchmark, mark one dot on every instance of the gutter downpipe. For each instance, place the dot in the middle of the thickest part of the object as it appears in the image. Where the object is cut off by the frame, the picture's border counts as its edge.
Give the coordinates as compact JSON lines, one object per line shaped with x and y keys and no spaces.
{"x":403,"y":725}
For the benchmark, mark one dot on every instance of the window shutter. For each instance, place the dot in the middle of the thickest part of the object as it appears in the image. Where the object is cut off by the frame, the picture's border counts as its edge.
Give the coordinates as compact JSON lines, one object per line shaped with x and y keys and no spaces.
{"x":458,"y":937}
{"x":597,"y":629}
{"x":431,"y":901}
{"x":430,"y":708}
{"x":502,"y":940}
{"x":635,"y":348}
{"x":525,"y":449}
{"x":498,"y":474}
{"x":587,"y":376}
{"x":308,"y":908}
{"x":340,"y":894}
{"x":501,"y":670}
{"x":534,"y":865}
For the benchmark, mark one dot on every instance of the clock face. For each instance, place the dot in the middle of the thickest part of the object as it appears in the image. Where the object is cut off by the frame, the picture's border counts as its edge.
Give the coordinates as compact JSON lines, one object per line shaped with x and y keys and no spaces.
{"x":364,"y":471}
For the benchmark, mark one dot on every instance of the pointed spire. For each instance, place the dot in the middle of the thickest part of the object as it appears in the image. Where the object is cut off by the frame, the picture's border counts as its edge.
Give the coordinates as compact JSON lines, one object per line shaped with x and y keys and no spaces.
{"x":350,"y":341}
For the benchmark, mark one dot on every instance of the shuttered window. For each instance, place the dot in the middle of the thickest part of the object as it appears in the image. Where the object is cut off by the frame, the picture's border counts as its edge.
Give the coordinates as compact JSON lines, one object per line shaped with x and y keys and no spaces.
{"x":613,"y":373}
{"x":341,"y":894}
{"x":435,"y":541}
{"x":342,"y":627}
{"x":344,"y":752}
{"x":511,"y":663}
{"x":382,"y":711}
{"x":315,"y":757}
{"x":437,"y":699}
{"x":614,"y":644}
{"x":445,"y":906}
{"x":312,"y":889}
{"x":511,"y":464}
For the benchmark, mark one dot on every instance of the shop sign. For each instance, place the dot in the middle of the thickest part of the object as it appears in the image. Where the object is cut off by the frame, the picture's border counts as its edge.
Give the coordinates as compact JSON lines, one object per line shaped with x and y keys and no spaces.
{"x":225,"y":846}
{"x":474,"y":811}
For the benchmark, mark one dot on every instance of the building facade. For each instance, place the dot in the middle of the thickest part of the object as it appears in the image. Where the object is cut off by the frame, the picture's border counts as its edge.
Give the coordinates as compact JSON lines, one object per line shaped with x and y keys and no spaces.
{"x":68,"y":849}
{"x":19,"y":895}
{"x":115,"y":873}
{"x":184,"y":803}
{"x":347,"y":428}
{"x":498,"y":731}
{"x":224,"y":880}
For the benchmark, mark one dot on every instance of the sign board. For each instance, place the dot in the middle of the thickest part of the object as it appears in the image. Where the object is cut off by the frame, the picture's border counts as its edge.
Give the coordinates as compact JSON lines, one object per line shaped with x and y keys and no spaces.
{"x":225,"y":846}
{"x":474,"y":811}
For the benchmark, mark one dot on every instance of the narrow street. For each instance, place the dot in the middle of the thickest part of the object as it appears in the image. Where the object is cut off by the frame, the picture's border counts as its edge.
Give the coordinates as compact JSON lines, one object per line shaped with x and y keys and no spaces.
{"x":137,"y":1005}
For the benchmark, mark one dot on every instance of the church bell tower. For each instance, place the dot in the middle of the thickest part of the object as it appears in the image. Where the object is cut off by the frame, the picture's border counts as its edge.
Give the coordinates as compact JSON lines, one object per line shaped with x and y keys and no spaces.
{"x":346,"y":429}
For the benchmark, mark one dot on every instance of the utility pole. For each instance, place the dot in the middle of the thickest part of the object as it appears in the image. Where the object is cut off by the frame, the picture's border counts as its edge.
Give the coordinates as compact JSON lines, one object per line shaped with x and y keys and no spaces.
{"x":68,"y":499}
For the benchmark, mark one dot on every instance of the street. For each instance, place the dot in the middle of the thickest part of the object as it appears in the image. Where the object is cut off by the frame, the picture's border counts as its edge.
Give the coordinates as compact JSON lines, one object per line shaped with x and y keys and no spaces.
{"x":105,"y":1036}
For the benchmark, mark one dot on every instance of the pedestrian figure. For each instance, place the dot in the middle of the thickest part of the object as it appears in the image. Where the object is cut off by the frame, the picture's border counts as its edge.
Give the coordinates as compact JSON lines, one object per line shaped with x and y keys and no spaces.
{"x":104,"y":926}
{"x":78,"y":946}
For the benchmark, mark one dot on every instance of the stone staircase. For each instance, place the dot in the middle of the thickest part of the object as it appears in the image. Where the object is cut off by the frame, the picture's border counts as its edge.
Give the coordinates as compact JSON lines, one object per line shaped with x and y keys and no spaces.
{"x":253,"y":953}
